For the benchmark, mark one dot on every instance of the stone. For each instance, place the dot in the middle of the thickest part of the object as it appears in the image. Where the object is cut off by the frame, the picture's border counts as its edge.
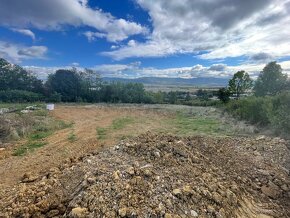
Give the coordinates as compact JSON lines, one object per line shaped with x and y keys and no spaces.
{"x":177,"y":192}
{"x":193,"y":213}
{"x":122,"y":212}
{"x":79,"y":212}
{"x":52,"y":213}
{"x":270,"y":191}
{"x":130,"y":171}
{"x":168,"y":215}
{"x":28,"y":177}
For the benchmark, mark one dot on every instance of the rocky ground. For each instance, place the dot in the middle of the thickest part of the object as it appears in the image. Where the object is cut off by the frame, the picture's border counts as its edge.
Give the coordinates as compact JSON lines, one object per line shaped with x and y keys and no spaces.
{"x":161,"y":176}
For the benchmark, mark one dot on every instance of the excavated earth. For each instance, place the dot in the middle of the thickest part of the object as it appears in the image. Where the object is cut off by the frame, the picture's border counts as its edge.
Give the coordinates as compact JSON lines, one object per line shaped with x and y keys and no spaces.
{"x":161,"y":176}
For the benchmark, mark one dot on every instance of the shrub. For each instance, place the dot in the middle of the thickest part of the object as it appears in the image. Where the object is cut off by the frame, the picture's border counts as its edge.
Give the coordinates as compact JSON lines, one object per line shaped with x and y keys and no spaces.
{"x":263,"y":111}
{"x":19,"y":96}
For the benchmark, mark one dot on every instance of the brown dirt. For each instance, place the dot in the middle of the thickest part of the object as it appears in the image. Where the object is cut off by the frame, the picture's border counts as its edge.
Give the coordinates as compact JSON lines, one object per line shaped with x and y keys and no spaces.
{"x":151,"y":175}
{"x":85,"y":120}
{"x":159,"y":176}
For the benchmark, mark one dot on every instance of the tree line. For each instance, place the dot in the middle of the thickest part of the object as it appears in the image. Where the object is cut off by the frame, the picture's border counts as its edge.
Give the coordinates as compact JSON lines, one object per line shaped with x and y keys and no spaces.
{"x":72,"y":85}
{"x":270,"y":82}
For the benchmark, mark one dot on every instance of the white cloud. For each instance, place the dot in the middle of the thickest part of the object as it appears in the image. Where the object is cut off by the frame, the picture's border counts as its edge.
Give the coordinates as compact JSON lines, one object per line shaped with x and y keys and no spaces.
{"x":134,"y":70}
{"x":57,"y":14}
{"x":221,"y":28}
{"x":16,"y":52}
{"x":26,"y":32}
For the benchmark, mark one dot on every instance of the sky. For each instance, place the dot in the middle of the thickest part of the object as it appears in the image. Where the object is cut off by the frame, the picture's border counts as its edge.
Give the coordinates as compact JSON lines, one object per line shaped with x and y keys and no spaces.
{"x":136,"y":38}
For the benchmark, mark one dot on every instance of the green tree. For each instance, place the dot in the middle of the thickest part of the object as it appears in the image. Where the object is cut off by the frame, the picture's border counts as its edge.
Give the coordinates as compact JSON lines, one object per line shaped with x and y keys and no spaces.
{"x":14,"y":77}
{"x":240,"y":83}
{"x":271,"y":80}
{"x":224,"y":95}
{"x":67,"y":83}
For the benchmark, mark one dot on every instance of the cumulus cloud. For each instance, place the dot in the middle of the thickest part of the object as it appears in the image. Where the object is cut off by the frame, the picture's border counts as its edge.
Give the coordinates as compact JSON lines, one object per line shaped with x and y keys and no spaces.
{"x":16,"y":53}
{"x":134,"y":70}
{"x":26,"y":32}
{"x":57,"y":14}
{"x":222,"y":28}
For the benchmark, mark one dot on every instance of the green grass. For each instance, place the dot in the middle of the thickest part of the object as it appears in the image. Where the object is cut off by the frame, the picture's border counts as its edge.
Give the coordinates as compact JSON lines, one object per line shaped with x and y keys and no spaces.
{"x":28,"y":147}
{"x":101,"y":133}
{"x":40,"y":135}
{"x":184,"y":124}
{"x":121,"y":122}
{"x":72,"y":137}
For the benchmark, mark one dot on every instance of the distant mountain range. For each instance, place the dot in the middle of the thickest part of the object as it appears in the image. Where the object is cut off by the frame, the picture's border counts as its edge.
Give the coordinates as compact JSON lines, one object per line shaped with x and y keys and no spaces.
{"x":197,"y":82}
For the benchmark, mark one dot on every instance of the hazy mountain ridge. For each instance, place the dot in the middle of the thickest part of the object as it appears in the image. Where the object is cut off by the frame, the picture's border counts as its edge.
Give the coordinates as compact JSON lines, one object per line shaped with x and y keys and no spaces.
{"x":201,"y":81}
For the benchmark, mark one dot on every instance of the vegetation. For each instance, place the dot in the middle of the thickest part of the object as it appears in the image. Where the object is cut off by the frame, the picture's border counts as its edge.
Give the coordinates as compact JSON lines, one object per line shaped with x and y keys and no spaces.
{"x":28,"y":147}
{"x":121,"y":122}
{"x":271,"y":81}
{"x":270,"y":111}
{"x":240,"y":83}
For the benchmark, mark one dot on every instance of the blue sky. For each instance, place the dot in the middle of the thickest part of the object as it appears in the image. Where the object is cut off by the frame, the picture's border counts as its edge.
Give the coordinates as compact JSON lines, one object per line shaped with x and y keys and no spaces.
{"x":133,"y":38}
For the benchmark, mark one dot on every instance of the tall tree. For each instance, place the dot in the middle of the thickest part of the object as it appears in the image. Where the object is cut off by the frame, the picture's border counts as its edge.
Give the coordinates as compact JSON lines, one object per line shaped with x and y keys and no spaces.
{"x":240,"y":83}
{"x":14,"y":77}
{"x":67,"y":83}
{"x":271,"y":80}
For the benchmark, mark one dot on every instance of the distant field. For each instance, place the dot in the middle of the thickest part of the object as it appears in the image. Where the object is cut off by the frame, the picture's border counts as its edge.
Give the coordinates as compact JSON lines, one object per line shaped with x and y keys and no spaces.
{"x":168,"y":88}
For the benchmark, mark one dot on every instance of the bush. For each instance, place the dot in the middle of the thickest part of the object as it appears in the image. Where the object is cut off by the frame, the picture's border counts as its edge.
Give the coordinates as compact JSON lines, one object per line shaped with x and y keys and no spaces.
{"x":263,"y":111}
{"x":13,"y":96}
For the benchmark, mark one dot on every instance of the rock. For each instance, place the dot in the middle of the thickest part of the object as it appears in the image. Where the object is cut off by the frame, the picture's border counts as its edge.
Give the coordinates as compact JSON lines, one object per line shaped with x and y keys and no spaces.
{"x":187,"y":190}
{"x":210,"y":209}
{"x":284,"y":187}
{"x":116,"y":175}
{"x":260,"y":138}
{"x":28,"y":177}
{"x":130,"y":171}
{"x":2,"y":149}
{"x":91,"y":180}
{"x":270,"y":191}
{"x":177,"y":192}
{"x":123,"y":212}
{"x":217,"y":198}
{"x":193,"y":213}
{"x":168,"y":215}
{"x":79,"y":212}
{"x":52,"y":213}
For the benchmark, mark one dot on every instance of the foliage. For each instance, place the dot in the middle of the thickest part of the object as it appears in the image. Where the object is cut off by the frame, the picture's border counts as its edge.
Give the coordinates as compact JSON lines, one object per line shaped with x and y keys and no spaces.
{"x":240,"y":83}
{"x":14,"y":77}
{"x":121,"y":122}
{"x":19,"y":96}
{"x":65,"y":82}
{"x":265,"y":111}
{"x":271,"y":80}
{"x":224,"y":95}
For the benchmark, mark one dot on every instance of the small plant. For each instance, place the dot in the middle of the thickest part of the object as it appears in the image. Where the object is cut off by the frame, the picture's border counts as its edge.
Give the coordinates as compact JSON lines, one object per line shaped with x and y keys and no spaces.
{"x":120,"y":123}
{"x":30,"y":146}
{"x":101,"y":132}
{"x":40,"y":135}
{"x":72,"y":137}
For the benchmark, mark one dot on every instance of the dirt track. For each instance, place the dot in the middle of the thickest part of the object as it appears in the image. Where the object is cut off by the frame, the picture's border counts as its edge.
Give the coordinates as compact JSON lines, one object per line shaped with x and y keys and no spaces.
{"x":85,"y":121}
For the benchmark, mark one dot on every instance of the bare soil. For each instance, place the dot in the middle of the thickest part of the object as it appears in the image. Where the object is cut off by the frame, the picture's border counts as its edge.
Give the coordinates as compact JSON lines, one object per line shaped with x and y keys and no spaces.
{"x":145,"y":175}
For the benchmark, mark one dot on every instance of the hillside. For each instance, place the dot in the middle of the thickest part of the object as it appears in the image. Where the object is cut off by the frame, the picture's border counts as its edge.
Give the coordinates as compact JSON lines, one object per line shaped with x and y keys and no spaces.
{"x":196,"y":82}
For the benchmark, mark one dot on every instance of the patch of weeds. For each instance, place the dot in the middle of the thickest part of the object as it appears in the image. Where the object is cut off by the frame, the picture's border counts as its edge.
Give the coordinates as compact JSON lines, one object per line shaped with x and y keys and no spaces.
{"x":101,"y":132}
{"x":185,"y":124}
{"x":63,"y":125}
{"x":29,"y":146}
{"x":40,"y":135}
{"x":41,"y":113}
{"x":121,"y":122}
{"x":72,"y":137}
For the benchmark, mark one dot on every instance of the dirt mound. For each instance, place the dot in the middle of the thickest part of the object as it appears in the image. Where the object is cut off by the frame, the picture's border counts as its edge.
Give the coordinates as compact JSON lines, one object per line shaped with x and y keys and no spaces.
{"x":159,"y":176}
